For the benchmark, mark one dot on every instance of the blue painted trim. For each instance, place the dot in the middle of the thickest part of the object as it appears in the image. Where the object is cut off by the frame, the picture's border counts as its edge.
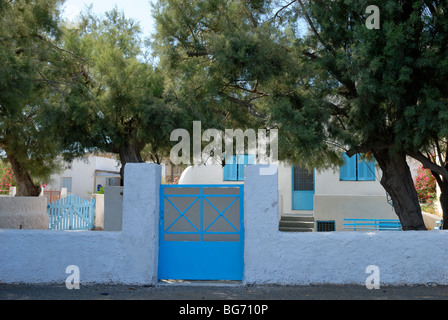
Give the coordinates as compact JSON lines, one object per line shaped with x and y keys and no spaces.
{"x":302,"y":200}
{"x":221,"y":214}
{"x":182,"y":213}
{"x":373,"y":224}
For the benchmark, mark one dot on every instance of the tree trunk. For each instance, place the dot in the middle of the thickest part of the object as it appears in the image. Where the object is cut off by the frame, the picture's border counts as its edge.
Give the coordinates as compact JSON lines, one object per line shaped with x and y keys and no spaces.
{"x":129,"y":153}
{"x":24,"y":183}
{"x":398,"y":182}
{"x":444,"y":203}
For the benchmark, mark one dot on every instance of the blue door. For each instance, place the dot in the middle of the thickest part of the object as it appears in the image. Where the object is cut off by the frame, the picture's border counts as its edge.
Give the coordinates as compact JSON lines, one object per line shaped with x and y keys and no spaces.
{"x":302,"y":188}
{"x":201,"y":232}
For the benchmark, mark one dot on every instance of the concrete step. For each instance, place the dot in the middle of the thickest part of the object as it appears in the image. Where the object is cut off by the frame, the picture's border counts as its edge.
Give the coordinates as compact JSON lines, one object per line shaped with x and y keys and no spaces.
{"x":296,"y":223}
{"x":297,"y":218}
{"x":295,"y":229}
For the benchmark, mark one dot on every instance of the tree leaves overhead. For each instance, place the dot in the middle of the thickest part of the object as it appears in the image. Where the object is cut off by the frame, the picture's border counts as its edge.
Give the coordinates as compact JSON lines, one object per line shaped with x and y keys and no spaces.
{"x":318,"y":73}
{"x":314,"y":69}
{"x":120,"y":107}
{"x":33,"y":76}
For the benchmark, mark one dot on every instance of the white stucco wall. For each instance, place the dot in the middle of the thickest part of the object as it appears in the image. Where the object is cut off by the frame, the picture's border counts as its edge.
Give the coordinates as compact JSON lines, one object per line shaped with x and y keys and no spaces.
{"x":129,"y":256}
{"x":82,"y":172}
{"x":205,"y":174}
{"x":23,"y":213}
{"x":275,"y":257}
{"x":339,"y":207}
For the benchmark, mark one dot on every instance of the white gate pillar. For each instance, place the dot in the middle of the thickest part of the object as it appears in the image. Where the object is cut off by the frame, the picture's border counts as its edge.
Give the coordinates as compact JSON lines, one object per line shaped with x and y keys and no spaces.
{"x":141,"y":199}
{"x":260,"y":221}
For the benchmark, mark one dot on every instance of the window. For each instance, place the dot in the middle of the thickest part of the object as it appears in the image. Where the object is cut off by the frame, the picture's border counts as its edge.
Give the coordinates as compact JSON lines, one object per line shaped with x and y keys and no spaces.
{"x":67,"y":183}
{"x":357,"y":169}
{"x":113,"y":182}
{"x":325,"y":226}
{"x":303,"y":179}
{"x":234,"y":171}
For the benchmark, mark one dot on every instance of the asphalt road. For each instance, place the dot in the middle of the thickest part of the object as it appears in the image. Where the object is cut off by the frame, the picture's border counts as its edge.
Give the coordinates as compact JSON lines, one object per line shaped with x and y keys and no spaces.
{"x":220,"y":291}
{"x":216,"y":301}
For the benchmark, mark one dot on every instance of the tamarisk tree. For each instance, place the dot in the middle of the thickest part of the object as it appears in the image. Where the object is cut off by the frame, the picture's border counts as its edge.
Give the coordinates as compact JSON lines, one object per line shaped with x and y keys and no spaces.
{"x":33,"y":76}
{"x":119,"y":107}
{"x":327,"y":80}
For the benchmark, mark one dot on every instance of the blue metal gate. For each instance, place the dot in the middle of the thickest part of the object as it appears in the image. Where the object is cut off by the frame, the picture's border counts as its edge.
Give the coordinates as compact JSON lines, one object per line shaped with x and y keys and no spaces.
{"x":201,"y":232}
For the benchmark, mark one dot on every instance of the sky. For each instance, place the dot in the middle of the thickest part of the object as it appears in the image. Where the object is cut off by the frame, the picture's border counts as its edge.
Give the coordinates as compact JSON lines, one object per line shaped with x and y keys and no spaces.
{"x":139,"y":10}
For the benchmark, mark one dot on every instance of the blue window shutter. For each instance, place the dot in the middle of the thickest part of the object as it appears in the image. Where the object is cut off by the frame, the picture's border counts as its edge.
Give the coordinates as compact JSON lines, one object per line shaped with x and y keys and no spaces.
{"x":371,"y":175}
{"x":250,"y":159}
{"x":67,"y":183}
{"x":348,"y":169}
{"x":366,"y":170}
{"x":242,"y":161}
{"x":230,"y":170}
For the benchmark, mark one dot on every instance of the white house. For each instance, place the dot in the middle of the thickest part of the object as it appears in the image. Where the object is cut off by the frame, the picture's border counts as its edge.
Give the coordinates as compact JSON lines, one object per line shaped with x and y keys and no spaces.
{"x":83,"y":177}
{"x":316,"y":200}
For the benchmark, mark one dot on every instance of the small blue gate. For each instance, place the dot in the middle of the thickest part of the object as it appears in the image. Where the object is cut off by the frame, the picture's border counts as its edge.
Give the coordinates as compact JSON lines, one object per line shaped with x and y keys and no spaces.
{"x":71,"y":213}
{"x":201,"y":232}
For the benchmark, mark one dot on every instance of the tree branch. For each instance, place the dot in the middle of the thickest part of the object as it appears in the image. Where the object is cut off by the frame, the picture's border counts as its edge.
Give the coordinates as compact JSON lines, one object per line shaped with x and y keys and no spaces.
{"x":283,"y":8}
{"x":245,"y":104}
{"x":428,"y":164}
{"x":197,"y":54}
{"x":360,"y":149}
{"x":61,"y":49}
{"x":313,"y":28}
{"x":348,"y":84}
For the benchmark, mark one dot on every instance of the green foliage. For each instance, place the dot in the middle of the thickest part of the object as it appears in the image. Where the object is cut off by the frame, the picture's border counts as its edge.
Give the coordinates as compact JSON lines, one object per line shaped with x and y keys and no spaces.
{"x":120,"y":106}
{"x":33,"y":76}
{"x":314,"y":70}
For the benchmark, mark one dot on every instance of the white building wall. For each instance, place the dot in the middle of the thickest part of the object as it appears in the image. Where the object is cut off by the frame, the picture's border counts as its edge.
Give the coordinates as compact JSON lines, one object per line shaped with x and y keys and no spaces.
{"x":82,"y":172}
{"x":334,"y":200}
{"x":107,"y":164}
{"x":205,"y":174}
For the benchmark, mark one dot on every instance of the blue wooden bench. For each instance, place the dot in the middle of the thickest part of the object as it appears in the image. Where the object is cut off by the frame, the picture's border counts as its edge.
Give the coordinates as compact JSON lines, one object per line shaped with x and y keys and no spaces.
{"x":372,"y":224}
